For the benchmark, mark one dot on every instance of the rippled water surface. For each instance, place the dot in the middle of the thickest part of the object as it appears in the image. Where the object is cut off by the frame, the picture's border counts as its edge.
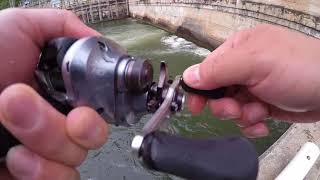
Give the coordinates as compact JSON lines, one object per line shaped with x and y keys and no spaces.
{"x":114,"y":161}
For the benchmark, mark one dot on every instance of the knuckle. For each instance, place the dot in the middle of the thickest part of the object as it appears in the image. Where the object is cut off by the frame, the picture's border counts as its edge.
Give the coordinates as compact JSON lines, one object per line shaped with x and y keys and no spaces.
{"x":69,"y":14}
{"x":69,"y":156}
{"x":53,"y":149}
{"x":241,"y":38}
{"x":61,"y":150}
{"x":65,"y":14}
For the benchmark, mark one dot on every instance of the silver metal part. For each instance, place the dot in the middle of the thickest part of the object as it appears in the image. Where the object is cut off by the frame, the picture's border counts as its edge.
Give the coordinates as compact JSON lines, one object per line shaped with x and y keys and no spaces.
{"x":136,"y":144}
{"x":164,"y":110}
{"x":163,"y":77}
{"x":159,"y":117}
{"x":182,"y":102}
{"x":97,"y":72}
{"x":93,"y":72}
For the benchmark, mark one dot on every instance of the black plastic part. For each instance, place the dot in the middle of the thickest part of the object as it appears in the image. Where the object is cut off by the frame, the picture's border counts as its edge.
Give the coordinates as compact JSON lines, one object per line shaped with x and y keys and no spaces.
{"x":232,"y":158}
{"x":50,"y":61}
{"x":139,"y":75}
{"x":6,"y":141}
{"x":53,"y":53}
{"x":211,"y":94}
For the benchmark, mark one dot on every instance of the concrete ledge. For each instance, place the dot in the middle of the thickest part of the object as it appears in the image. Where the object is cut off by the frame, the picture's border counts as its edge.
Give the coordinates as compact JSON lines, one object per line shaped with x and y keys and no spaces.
{"x":276,"y":158}
{"x":212,"y":24}
{"x":267,"y":13}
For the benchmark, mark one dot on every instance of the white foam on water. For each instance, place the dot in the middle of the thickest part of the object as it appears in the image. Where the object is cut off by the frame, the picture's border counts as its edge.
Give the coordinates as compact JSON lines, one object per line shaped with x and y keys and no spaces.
{"x":134,"y":38}
{"x":175,"y":44}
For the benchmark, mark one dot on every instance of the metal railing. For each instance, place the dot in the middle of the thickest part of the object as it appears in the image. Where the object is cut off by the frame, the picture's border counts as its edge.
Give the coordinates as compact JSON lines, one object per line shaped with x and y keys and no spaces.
{"x":90,"y":11}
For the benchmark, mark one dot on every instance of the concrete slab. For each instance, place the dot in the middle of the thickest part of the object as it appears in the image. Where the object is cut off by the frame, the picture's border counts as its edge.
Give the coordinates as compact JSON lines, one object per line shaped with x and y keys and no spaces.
{"x":276,"y":158}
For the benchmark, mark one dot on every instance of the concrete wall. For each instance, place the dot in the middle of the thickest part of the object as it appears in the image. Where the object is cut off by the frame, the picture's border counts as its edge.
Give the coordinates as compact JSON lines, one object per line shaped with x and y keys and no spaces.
{"x":212,"y":21}
{"x":89,"y":11}
{"x":276,"y":158}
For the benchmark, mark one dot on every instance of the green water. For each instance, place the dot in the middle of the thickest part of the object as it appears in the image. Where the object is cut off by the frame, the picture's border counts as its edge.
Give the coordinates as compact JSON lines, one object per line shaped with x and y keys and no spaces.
{"x":114,"y":161}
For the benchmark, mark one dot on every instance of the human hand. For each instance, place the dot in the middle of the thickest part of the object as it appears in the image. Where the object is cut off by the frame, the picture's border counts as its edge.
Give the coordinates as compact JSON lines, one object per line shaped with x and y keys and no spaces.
{"x":278,"y":73}
{"x":53,"y":144}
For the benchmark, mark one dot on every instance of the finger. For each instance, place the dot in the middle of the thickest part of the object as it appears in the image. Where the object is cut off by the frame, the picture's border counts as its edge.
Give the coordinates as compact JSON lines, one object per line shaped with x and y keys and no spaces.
{"x":294,"y":117}
{"x":252,"y":113}
{"x":243,"y":96}
{"x":48,"y":24}
{"x":25,"y":164}
{"x":38,"y":125}
{"x":196,"y":103}
{"x":28,"y":30}
{"x":256,"y":131}
{"x":87,"y":128}
{"x":225,"y":108}
{"x":230,"y":65}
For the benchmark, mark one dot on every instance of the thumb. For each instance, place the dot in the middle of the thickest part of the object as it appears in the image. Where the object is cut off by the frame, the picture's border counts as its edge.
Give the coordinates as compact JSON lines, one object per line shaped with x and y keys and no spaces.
{"x":223,"y":67}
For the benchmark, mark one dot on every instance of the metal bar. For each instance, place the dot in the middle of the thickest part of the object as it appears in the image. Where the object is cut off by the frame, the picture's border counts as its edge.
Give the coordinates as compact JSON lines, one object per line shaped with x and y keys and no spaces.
{"x":159,"y":117}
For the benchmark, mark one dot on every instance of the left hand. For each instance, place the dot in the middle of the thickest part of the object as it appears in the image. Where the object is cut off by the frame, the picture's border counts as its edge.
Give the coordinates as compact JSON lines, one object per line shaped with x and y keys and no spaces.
{"x":53,"y":144}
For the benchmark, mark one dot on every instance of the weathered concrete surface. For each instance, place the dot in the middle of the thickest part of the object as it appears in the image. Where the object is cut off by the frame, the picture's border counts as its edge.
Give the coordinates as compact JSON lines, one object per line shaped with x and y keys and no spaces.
{"x":276,"y":158}
{"x":212,"y":21}
{"x":311,"y":7}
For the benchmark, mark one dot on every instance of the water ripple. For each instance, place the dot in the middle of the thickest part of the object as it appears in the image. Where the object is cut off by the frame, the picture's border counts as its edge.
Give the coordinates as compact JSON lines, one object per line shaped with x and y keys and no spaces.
{"x":176,"y":43}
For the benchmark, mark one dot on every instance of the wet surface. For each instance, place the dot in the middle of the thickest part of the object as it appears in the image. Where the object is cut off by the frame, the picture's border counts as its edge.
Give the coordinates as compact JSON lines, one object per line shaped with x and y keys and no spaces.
{"x":114,"y":160}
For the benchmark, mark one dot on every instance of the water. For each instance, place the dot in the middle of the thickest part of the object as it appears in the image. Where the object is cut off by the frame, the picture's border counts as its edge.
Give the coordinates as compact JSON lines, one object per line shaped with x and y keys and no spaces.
{"x":114,"y":161}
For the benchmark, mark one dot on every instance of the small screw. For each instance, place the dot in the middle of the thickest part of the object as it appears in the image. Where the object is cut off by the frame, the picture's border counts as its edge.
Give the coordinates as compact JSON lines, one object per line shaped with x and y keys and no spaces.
{"x":102,"y":46}
{"x":174,"y":107}
{"x":100,"y":110}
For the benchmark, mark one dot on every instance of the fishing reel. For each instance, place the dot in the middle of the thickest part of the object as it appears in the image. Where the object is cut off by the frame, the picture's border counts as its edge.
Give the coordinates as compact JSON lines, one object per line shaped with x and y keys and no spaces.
{"x":97,"y":72}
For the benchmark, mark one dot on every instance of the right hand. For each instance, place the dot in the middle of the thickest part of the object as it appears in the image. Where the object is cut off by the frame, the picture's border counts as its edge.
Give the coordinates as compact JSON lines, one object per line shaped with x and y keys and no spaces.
{"x":278,"y":71}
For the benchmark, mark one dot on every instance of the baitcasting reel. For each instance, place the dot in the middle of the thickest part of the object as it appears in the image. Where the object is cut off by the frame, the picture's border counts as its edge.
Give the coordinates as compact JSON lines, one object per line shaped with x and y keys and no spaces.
{"x":97,"y":72}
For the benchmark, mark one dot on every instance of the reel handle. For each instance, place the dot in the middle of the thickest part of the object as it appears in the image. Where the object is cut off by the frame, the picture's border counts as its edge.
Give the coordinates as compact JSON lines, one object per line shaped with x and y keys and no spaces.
{"x":232,"y":158}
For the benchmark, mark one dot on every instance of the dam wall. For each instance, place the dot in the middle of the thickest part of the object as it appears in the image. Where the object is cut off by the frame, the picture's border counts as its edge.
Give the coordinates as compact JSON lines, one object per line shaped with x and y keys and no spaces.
{"x":212,"y":21}
{"x":89,"y":11}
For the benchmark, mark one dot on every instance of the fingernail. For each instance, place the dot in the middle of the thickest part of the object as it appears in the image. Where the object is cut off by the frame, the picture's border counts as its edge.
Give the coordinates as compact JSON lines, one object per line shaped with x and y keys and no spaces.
{"x":258,"y":132}
{"x":191,"y":76}
{"x":239,"y":125}
{"x":20,"y":108}
{"x":225,"y":115}
{"x":93,"y":132}
{"x":253,"y":118}
{"x":254,"y":113}
{"x":22,"y":163}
